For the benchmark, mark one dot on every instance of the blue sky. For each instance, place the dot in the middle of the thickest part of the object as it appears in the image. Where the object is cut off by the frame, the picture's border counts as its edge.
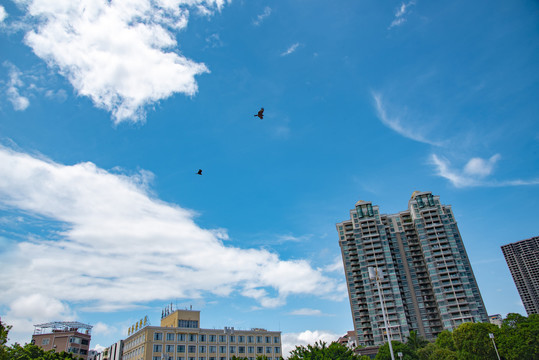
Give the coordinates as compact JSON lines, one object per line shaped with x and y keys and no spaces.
{"x":109,"y":108}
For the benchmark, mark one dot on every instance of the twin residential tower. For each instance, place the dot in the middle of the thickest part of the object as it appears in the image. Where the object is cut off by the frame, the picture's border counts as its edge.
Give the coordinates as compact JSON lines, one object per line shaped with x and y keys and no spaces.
{"x":427,"y":282}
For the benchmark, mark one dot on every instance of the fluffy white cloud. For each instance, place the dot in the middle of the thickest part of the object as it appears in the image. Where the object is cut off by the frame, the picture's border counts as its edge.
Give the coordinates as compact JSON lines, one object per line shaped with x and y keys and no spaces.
{"x":481,"y":167}
{"x":3,"y":13}
{"x":30,"y":309}
{"x":473,"y":173}
{"x":118,"y":246}
{"x":291,"y":340}
{"x":120,"y":53}
{"x":19,"y":102}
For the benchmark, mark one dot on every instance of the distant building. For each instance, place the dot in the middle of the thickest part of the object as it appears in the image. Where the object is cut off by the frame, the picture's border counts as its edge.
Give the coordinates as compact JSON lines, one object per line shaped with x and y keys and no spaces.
{"x":69,"y":336}
{"x":522,"y":257}
{"x":92,"y":354}
{"x":113,"y":352}
{"x":496,"y":319}
{"x":180,"y":337}
{"x":348,"y":340}
{"x":428,"y":284}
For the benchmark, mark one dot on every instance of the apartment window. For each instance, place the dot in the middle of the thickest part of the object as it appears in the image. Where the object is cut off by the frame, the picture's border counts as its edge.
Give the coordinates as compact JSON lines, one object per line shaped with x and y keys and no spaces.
{"x":202,"y":349}
{"x":180,"y":348}
{"x":241,"y":349}
{"x":192,"y":337}
{"x":169,"y":348}
{"x":232,"y":349}
{"x":222,"y":358}
{"x":212,"y":338}
{"x":232,"y":338}
{"x":251,"y":349}
{"x":158,"y":336}
{"x":45,"y":341}
{"x":156,"y":358}
{"x":201,"y":338}
{"x":222,"y":338}
{"x":74,"y":340}
{"x":277,"y":349}
{"x":268,"y":349}
{"x":241,"y":339}
{"x":157,"y":348}
{"x":276,"y":339}
{"x":259,"y":349}
{"x":192,"y":358}
{"x":180,"y":358}
{"x":259,"y":339}
{"x":85,"y":342}
{"x":190,"y":324}
{"x":250,"y":339}
{"x":192,"y":348}
{"x":181,"y":337}
{"x":170,"y":357}
{"x":212,"y":349}
{"x":202,"y":358}
{"x":268,"y":339}
{"x":170,"y":337}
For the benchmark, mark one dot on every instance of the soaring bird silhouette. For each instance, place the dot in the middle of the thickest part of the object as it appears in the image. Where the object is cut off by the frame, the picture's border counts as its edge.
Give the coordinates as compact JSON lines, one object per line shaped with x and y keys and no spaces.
{"x":260,"y":113}
{"x":199,"y":172}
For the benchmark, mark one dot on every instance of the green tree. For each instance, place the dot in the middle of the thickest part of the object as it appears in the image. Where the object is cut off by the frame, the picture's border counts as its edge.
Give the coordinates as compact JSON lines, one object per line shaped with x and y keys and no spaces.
{"x":319,"y":351}
{"x":407,"y":353}
{"x":472,"y":341}
{"x":519,"y":337}
{"x":445,"y":340}
{"x":415,"y":341}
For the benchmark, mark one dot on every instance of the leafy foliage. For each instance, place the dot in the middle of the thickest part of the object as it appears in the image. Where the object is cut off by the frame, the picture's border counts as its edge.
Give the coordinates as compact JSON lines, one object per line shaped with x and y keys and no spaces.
{"x":407,"y":352}
{"x":519,"y":337}
{"x":473,"y":342}
{"x":415,"y":341}
{"x":322,"y":352}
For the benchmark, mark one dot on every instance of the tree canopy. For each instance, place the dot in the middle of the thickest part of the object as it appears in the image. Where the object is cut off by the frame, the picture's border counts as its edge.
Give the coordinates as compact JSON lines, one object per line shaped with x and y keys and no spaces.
{"x":319,"y":351}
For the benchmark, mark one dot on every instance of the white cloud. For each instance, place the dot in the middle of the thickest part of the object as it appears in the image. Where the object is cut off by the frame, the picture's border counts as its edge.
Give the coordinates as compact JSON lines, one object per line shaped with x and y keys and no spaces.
{"x":290,"y":50}
{"x":99,"y":348}
{"x":394,"y":123}
{"x":306,"y":312}
{"x":480,"y":167}
{"x":308,"y":337}
{"x":27,"y":310}
{"x":102,"y":328}
{"x":336,"y":266}
{"x":118,"y":247}
{"x":19,"y":102}
{"x":473,"y":173}
{"x":260,"y":18}
{"x":400,"y":14}
{"x":3,"y":13}
{"x":123,"y":74}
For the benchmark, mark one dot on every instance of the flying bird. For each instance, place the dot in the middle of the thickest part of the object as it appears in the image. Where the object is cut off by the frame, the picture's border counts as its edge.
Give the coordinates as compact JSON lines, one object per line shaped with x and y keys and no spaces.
{"x":199,"y":172}
{"x":260,"y":113}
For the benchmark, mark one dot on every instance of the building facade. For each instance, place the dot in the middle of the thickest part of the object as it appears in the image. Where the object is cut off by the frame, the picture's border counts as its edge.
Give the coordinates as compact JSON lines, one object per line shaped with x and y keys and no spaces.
{"x":427,"y":285}
{"x":522,"y":257}
{"x":69,"y":336}
{"x":180,"y":337}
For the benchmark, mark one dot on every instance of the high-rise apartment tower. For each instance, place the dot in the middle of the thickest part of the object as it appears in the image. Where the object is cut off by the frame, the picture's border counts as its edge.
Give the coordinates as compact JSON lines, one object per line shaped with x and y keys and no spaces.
{"x":523,"y":260}
{"x":428,"y":284}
